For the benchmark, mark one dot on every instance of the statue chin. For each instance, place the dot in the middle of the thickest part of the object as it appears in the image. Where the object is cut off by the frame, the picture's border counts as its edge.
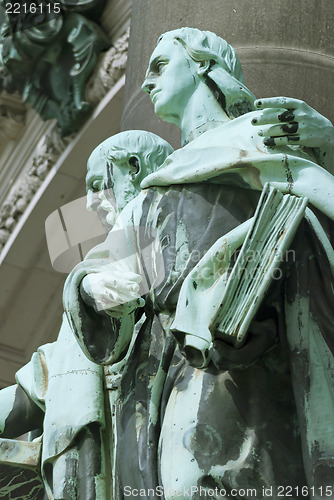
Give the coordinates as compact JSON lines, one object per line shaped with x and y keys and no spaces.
{"x":163,"y":112}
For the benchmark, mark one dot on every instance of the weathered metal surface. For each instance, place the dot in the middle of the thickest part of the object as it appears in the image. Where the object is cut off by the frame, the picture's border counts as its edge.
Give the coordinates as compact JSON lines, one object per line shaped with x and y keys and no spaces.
{"x":201,"y":416}
{"x":20,"y":453}
{"x":19,"y":470}
{"x":18,"y":484}
{"x":48,"y":54}
{"x":220,"y":426}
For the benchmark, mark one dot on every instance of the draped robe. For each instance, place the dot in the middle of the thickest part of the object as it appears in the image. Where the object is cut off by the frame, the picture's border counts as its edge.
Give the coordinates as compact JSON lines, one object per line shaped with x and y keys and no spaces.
{"x":256,"y":417}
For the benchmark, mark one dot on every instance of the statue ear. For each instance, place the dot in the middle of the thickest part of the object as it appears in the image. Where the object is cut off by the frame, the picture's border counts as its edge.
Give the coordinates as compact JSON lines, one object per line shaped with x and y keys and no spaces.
{"x":135,"y":166}
{"x":204,"y":67}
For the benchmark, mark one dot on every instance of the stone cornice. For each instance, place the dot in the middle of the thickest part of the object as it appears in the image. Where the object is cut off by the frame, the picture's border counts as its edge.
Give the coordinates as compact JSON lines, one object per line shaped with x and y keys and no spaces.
{"x":109,"y":69}
{"x":12,"y":116}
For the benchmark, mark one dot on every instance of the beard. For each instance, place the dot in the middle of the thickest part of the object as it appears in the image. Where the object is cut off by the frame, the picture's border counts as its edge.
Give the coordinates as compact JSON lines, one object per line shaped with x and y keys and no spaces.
{"x":106,"y":213}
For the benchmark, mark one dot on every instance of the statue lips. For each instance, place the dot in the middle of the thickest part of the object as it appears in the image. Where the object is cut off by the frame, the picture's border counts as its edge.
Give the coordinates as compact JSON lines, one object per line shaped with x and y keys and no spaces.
{"x":153,"y":94}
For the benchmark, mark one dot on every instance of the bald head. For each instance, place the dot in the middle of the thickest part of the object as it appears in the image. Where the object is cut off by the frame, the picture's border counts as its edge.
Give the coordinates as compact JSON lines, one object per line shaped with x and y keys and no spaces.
{"x":117,"y":166}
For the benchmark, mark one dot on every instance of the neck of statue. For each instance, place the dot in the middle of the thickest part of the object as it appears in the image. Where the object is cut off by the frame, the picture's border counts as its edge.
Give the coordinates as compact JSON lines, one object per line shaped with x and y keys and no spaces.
{"x":202,"y":113}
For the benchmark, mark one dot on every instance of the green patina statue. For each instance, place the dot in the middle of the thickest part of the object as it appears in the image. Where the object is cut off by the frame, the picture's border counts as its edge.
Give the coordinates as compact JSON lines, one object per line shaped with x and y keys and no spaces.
{"x":47,"y":56}
{"x":61,"y":392}
{"x":224,"y":261}
{"x":203,"y":408}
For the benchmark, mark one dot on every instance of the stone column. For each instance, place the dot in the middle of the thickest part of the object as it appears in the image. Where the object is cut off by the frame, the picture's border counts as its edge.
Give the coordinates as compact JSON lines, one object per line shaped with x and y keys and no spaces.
{"x":286,"y":48}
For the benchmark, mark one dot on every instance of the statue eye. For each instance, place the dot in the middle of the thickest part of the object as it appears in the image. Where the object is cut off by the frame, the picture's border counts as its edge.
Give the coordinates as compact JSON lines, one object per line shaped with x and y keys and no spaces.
{"x":158,"y":66}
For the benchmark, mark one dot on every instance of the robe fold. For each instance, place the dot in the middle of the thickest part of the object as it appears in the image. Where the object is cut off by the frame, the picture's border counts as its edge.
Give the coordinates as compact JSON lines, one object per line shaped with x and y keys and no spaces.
{"x":256,"y":417}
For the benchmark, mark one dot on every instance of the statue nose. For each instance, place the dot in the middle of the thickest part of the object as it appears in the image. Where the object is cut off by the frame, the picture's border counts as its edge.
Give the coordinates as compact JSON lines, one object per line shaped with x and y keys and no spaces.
{"x":147,"y":86}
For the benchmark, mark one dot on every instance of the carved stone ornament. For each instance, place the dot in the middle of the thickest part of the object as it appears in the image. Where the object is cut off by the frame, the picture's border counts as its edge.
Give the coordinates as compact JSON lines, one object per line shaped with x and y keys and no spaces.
{"x":12,"y":116}
{"x":48,"y":56}
{"x":210,"y":302}
{"x":46,"y":155}
{"x":109,"y":69}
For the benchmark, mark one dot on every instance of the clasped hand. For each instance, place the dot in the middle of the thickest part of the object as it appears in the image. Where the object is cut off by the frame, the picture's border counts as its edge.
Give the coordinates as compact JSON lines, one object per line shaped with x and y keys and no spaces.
{"x":112,"y":292}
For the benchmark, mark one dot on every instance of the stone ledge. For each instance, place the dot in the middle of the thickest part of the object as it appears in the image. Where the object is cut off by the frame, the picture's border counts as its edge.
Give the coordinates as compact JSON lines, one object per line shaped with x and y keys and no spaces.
{"x":20,"y":453}
{"x":109,"y":69}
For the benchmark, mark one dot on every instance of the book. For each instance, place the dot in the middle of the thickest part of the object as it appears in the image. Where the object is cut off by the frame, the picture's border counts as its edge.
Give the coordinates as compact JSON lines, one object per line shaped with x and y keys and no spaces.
{"x":276,"y":220}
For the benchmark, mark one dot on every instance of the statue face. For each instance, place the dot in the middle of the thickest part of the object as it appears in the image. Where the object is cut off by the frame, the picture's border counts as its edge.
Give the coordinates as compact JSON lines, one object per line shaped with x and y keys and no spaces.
{"x":127,"y":176}
{"x":96,"y":183}
{"x":171,"y":79}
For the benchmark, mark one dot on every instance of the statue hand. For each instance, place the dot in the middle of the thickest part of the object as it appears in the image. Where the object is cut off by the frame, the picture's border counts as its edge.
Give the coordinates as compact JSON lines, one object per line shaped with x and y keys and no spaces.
{"x":286,"y":121}
{"x":111,"y":292}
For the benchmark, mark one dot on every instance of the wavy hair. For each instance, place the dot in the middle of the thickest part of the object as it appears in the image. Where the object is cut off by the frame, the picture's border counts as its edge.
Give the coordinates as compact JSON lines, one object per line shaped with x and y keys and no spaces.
{"x":224,"y":75}
{"x":129,"y":147}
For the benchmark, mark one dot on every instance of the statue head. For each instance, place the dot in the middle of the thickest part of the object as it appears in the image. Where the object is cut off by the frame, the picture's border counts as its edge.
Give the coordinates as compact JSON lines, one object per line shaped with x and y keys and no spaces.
{"x":116,"y":168}
{"x":203,"y":57}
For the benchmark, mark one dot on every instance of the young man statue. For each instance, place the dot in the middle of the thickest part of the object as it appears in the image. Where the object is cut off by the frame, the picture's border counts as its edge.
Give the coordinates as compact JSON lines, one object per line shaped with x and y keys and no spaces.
{"x":247,"y":418}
